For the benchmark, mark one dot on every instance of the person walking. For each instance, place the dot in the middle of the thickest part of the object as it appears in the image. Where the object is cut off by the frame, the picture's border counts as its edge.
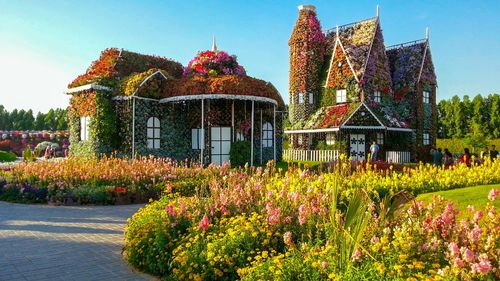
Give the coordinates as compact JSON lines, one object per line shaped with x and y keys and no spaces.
{"x":493,"y":153}
{"x":485,"y":153}
{"x":374,"y":148}
{"x":466,"y":157}
{"x":447,"y":158}
{"x":439,"y":157}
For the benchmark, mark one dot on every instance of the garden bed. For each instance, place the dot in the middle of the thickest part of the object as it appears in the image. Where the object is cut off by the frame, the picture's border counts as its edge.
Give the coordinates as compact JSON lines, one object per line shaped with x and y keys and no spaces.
{"x":347,"y":225}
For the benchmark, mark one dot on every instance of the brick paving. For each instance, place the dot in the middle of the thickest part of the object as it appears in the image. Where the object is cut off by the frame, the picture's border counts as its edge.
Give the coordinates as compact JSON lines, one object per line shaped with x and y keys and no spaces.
{"x":40,"y":242}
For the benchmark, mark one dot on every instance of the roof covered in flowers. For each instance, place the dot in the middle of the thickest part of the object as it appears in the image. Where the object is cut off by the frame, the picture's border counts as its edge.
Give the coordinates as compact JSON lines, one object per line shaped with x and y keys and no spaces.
{"x":115,"y":64}
{"x":356,"y":38}
{"x":213,"y":63}
{"x":406,"y":60}
{"x":221,"y":84}
{"x":327,"y":117}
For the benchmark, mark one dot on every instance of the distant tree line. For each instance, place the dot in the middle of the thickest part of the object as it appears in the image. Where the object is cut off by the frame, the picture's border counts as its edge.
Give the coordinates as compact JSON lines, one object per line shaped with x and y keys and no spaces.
{"x":462,"y":118}
{"x":54,"y":119}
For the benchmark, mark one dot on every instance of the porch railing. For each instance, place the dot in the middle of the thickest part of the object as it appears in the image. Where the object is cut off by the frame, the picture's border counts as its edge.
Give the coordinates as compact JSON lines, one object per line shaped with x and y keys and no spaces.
{"x":310,"y":155}
{"x":398,"y":156}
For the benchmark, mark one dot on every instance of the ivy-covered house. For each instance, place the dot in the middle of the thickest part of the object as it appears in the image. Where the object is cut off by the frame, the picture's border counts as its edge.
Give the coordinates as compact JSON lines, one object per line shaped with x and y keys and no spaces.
{"x":133,"y":105}
{"x":347,"y":90}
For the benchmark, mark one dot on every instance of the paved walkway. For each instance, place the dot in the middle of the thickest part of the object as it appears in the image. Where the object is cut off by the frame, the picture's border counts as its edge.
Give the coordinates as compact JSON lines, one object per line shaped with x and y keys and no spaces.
{"x":39,"y":242}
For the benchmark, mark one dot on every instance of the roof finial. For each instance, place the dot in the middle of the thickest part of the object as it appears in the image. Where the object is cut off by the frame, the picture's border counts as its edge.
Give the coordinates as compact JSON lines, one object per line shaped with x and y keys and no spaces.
{"x":337,"y":31}
{"x":378,"y":11}
{"x":427,"y":33}
{"x":214,"y":46}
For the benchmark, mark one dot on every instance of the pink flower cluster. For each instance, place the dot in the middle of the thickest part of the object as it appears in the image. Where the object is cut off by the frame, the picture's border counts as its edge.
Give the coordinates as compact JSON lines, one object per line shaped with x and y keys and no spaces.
{"x":213,"y":63}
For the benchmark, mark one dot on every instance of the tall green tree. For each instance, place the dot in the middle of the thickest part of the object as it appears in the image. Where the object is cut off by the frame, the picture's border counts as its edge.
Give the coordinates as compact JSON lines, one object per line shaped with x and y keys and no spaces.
{"x":494,"y":116}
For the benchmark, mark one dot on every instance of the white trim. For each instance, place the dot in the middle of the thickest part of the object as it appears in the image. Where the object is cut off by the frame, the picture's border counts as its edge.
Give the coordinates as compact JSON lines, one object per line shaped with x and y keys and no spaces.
{"x":251,"y":136}
{"x":149,"y":77}
{"x":348,"y":61}
{"x":312,"y":131}
{"x":91,"y":86}
{"x":352,"y":114}
{"x":218,"y":96}
{"x":363,"y":127}
{"x":423,"y":61}
{"x":274,"y":133}
{"x":399,"y":129}
{"x":133,"y":97}
{"x":331,"y":61}
{"x":371,"y":46}
{"x":133,"y":128}
{"x":202,"y":130}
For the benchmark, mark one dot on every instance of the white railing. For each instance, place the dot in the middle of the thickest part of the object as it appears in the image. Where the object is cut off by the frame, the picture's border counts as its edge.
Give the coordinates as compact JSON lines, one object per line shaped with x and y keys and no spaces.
{"x":310,"y":155}
{"x":398,"y":156}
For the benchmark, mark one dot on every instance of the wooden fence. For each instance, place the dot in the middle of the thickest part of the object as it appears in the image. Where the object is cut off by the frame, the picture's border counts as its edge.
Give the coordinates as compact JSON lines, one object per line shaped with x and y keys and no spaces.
{"x":310,"y":155}
{"x":398,"y":156}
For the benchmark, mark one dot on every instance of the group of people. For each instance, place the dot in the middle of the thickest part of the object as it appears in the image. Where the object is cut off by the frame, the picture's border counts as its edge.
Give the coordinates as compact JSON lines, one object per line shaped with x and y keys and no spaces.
{"x":440,"y":158}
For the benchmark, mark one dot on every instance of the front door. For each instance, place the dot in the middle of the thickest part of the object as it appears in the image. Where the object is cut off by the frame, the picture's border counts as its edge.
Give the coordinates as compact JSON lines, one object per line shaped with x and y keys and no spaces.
{"x":357,"y":142}
{"x":220,"y":138}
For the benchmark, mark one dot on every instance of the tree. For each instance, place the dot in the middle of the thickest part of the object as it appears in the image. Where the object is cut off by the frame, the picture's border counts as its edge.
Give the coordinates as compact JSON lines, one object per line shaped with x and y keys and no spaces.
{"x":478,"y":114}
{"x":476,"y":138}
{"x":494,"y":116}
{"x":50,"y":120}
{"x":458,"y":124}
{"x":40,"y":121}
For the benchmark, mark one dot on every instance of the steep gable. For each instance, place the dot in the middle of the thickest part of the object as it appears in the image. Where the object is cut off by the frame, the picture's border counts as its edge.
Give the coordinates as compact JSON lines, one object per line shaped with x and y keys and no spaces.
{"x":377,"y":75}
{"x":363,"y":116}
{"x":340,"y":72}
{"x":428,"y":74}
{"x":405,"y":61}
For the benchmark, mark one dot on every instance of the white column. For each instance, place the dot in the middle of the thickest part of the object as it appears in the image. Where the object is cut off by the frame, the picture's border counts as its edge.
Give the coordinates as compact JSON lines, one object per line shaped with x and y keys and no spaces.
{"x":261,"y":135}
{"x":233,"y":133}
{"x":251,"y":135}
{"x":274,"y":133}
{"x":202,"y":144}
{"x":133,"y":127}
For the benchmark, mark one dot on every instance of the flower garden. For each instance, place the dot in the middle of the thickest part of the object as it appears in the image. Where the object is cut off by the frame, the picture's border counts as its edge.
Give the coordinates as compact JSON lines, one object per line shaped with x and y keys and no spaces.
{"x":347,"y":222}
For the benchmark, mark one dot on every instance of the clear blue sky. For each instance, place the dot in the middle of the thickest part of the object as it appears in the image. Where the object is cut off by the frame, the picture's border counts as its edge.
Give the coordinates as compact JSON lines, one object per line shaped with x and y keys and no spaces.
{"x":44,"y":44}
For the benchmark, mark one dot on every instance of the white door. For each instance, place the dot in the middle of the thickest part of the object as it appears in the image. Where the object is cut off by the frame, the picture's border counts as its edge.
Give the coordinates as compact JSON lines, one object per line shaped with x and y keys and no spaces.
{"x":220,"y":139}
{"x":357,"y":142}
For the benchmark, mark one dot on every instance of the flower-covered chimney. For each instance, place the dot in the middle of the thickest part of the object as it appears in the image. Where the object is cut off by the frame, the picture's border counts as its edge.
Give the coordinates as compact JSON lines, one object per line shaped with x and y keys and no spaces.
{"x":306,"y":57}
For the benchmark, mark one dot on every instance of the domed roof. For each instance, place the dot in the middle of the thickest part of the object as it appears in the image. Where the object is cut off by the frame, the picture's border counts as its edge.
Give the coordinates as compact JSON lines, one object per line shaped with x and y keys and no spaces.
{"x":213,"y":63}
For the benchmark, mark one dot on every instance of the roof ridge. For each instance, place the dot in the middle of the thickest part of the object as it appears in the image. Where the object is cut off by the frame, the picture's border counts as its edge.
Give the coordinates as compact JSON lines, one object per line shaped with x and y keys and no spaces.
{"x":345,"y":26}
{"x":406,"y":44}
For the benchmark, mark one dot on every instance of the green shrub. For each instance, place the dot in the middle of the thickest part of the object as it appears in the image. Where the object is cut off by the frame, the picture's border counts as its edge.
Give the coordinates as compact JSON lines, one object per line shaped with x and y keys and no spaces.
{"x":7,"y":156}
{"x":28,"y":155}
{"x":240,"y":153}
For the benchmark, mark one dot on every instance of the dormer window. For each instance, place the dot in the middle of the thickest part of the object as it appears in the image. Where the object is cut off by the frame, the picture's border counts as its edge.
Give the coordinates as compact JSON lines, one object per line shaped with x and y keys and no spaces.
{"x":426,"y":97}
{"x":426,"y":139}
{"x":377,"y":97}
{"x":341,"y":96}
{"x":311,"y":98}
{"x":301,"y":98}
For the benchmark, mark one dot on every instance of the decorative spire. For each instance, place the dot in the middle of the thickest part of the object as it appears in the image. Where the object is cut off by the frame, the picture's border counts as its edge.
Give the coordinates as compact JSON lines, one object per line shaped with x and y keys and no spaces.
{"x":427,"y":33}
{"x":378,"y":11}
{"x":214,"y":46}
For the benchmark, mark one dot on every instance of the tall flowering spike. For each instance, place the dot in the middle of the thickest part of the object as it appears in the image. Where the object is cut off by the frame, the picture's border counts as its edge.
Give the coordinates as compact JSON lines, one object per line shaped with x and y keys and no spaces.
{"x":306,"y":59}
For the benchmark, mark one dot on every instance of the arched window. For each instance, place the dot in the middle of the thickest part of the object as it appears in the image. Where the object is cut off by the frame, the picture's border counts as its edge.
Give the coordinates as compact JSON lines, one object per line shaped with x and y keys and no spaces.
{"x":267,"y":135}
{"x":153,"y":133}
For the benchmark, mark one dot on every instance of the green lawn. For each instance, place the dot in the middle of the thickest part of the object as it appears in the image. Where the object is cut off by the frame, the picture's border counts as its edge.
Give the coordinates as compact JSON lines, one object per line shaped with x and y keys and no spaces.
{"x":476,"y":196}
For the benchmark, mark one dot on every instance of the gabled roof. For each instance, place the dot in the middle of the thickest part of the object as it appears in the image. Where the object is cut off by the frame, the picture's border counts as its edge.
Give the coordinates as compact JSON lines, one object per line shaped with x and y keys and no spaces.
{"x":410,"y":63}
{"x":115,"y":64}
{"x":356,"y":40}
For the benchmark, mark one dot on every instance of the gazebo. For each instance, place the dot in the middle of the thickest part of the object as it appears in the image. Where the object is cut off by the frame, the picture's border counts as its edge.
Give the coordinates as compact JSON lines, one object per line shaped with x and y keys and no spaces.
{"x":198,"y":115}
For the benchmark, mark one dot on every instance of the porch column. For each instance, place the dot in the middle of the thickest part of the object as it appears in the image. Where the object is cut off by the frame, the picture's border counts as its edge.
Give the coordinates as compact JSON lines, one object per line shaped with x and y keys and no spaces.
{"x":202,"y":144}
{"x":274,"y":133}
{"x":133,"y":127}
{"x":232,"y":122}
{"x":261,"y":134}
{"x":251,"y":135}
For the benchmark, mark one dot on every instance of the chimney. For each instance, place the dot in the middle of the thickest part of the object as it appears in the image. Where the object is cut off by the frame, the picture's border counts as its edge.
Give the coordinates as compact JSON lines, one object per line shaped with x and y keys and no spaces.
{"x":311,"y":8}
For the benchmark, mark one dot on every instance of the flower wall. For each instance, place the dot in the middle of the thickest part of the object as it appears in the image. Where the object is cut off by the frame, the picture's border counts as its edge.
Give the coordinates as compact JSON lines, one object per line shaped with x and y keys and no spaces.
{"x":17,"y":141}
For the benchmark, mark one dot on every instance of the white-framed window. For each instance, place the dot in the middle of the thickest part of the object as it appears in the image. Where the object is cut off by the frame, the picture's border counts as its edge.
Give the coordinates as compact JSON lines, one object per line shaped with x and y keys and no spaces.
{"x":301,"y":98}
{"x":196,"y":138}
{"x":380,"y":138}
{"x":377,"y":96}
{"x":341,"y":95}
{"x":84,"y":128}
{"x":330,"y":139}
{"x":153,"y":133}
{"x":427,"y":139}
{"x":267,"y":135}
{"x":311,"y":98}
{"x":299,"y":140}
{"x":426,"y":97}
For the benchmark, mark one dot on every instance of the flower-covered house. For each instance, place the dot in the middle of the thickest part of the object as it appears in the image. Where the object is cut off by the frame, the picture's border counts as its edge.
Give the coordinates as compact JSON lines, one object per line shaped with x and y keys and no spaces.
{"x":347,"y":90}
{"x":132,"y":104}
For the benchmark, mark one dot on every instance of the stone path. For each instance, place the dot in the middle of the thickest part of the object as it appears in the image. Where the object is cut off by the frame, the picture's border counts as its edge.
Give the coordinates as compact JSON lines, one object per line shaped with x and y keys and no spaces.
{"x":39,"y":242}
